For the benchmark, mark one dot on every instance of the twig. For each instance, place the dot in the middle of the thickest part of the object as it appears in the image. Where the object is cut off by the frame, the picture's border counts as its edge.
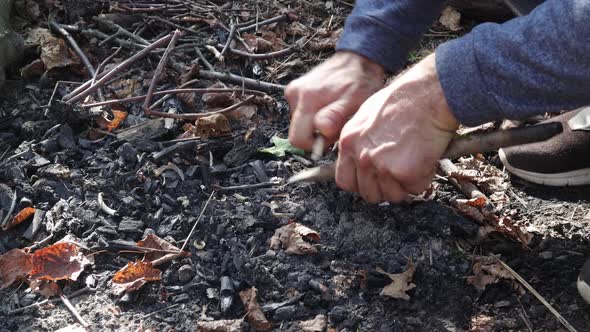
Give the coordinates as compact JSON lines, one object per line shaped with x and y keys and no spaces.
{"x":103,"y":206}
{"x":530,"y":288}
{"x":170,"y":92}
{"x":159,"y":311}
{"x":158,"y":72}
{"x":197,"y":221}
{"x":104,"y":63}
{"x":236,"y":79}
{"x":466,"y":187}
{"x":247,"y":186}
{"x":40,"y":303}
{"x":195,"y":116}
{"x":264,"y":56}
{"x":12,"y":206}
{"x":204,"y":60}
{"x":78,"y":50}
{"x":87,"y":88}
{"x":121,"y":31}
{"x":280,"y":18}
{"x":174,"y":25}
{"x":230,"y":37}
{"x":73,"y":310}
{"x":215,"y":52}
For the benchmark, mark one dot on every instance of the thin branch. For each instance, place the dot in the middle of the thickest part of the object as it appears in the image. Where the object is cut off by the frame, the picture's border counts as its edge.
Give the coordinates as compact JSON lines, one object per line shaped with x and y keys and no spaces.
{"x":264,"y":56}
{"x":280,"y":18}
{"x":119,"y":30}
{"x":159,"y":71}
{"x":204,"y":60}
{"x":197,"y":222}
{"x":70,"y":98}
{"x":236,"y":79}
{"x":171,"y":92}
{"x":74,"y":45}
{"x":195,"y":116}
{"x":72,"y":309}
{"x":230,"y":37}
{"x":247,"y":186}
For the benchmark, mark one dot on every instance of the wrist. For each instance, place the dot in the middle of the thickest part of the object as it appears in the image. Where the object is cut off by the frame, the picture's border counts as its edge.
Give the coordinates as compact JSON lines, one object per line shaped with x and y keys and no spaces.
{"x":369,"y":66}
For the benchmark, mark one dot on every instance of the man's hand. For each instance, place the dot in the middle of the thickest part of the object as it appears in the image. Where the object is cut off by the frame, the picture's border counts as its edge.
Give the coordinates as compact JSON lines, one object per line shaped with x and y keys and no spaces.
{"x":392,"y":144}
{"x":326,"y":97}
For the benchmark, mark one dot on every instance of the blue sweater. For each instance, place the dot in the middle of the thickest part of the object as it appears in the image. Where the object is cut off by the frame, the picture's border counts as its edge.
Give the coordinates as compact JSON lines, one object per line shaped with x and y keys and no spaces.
{"x":529,"y":65}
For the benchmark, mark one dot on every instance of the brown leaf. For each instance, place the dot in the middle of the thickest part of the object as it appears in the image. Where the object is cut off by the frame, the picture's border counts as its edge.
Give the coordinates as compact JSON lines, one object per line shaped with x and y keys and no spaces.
{"x":125,"y":88}
{"x":318,"y":324}
{"x":401,"y":282}
{"x":14,"y":264}
{"x":226,"y":325}
{"x":254,"y":312}
{"x":450,"y":18}
{"x":62,"y":260}
{"x":487,"y":270}
{"x":482,"y":323}
{"x":44,"y":287}
{"x":105,"y":123}
{"x":326,"y":43}
{"x":291,"y":237}
{"x":54,"y":52}
{"x":217,"y":99}
{"x":154,"y":242}
{"x":133,"y":276}
{"x":212,"y":126}
{"x":465,"y":174}
{"x":23,"y":215}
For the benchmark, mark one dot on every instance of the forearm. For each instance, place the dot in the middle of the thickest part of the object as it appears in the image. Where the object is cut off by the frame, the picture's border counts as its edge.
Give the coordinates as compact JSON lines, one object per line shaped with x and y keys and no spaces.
{"x":530,"y":65}
{"x":385,"y":31}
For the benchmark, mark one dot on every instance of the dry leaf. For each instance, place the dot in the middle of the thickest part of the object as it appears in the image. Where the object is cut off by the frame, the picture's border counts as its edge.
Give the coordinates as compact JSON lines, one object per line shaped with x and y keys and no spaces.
{"x":212,"y":126}
{"x":254,"y":312}
{"x":105,"y":123}
{"x":226,"y":325}
{"x":450,"y":19}
{"x":23,"y":215}
{"x":153,"y":242}
{"x":487,"y":270}
{"x":425,"y":196}
{"x":217,"y":99}
{"x":401,"y":282}
{"x":44,"y":287}
{"x":292,"y":238}
{"x":133,"y":276}
{"x":244,"y":112}
{"x":482,"y":323}
{"x":326,"y":43}
{"x":62,"y":260}
{"x":125,"y":88}
{"x":54,"y":51}
{"x":14,"y":264}
{"x":318,"y":324}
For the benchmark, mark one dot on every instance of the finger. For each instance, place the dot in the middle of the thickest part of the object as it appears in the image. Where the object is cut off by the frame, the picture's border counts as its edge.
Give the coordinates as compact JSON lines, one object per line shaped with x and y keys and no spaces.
{"x":346,"y":174}
{"x":368,"y":185}
{"x":391,"y":190}
{"x":330,"y":119}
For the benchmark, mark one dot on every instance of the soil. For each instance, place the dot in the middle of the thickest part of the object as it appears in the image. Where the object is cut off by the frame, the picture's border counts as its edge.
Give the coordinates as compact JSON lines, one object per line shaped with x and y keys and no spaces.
{"x":49,"y":159}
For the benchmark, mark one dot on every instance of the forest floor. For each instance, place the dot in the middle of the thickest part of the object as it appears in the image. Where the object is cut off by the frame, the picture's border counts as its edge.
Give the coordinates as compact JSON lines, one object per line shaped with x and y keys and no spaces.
{"x":81,"y":185}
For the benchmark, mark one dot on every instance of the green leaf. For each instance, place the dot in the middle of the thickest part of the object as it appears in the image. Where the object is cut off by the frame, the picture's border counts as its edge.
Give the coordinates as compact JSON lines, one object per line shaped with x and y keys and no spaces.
{"x":281,"y":147}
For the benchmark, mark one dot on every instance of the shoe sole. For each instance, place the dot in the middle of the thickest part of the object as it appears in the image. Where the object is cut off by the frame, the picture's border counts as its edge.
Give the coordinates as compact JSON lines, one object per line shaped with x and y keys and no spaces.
{"x":573,"y":178}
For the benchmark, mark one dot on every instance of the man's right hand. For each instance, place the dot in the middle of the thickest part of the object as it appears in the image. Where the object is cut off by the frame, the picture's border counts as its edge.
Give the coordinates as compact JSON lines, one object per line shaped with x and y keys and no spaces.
{"x":326,"y":97}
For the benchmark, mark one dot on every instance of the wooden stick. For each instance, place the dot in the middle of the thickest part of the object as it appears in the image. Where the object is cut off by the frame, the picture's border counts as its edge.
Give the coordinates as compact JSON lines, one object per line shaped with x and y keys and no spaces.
{"x":73,"y":310}
{"x":195,"y":116}
{"x":236,"y":79}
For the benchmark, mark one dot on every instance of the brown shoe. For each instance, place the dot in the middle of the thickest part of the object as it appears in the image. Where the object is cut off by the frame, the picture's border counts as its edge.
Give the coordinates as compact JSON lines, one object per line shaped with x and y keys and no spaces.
{"x":563,"y":160}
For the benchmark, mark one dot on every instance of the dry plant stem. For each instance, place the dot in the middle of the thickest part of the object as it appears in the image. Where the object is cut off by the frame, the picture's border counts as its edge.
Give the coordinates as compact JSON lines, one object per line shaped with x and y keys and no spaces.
{"x":104,"y":63}
{"x":466,"y":187}
{"x":247,"y":186}
{"x":204,"y":60}
{"x":195,"y":116}
{"x":530,"y":288}
{"x":174,"y":25}
{"x":170,"y":92}
{"x":122,"y":31}
{"x":230,"y":37}
{"x":247,"y":82}
{"x":12,"y":206}
{"x":197,"y":221}
{"x":74,"y":45}
{"x":159,"y":311}
{"x":40,"y":303}
{"x":159,"y":71}
{"x":264,"y":56}
{"x":87,"y":88}
{"x":73,"y":310}
{"x":281,"y":18}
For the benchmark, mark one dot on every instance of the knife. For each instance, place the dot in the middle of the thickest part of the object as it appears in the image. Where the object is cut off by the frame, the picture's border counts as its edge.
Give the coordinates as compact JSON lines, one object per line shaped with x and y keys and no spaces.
{"x":458,"y":147}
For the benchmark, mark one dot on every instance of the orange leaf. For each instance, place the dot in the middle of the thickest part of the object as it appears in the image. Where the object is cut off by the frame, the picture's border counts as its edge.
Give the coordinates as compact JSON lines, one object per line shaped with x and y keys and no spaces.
{"x":134,"y":275}
{"x":62,"y":260}
{"x":23,"y":215}
{"x":110,"y":124}
{"x":14,"y":264}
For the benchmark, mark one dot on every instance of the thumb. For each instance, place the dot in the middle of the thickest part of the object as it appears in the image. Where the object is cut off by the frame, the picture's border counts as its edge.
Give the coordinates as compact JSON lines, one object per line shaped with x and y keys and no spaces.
{"x":330,"y":119}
